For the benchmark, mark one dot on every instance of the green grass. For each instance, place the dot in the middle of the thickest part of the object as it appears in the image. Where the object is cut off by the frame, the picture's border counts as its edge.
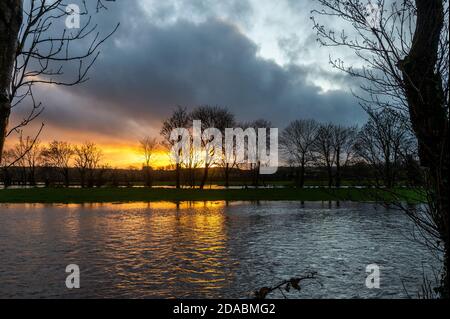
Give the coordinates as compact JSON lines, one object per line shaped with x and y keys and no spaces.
{"x":107,"y":195}
{"x":284,"y":183}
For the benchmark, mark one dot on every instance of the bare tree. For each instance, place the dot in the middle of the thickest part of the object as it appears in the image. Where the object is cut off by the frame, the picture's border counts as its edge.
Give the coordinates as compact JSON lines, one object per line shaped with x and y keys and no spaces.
{"x":10,"y":22}
{"x":26,"y":157}
{"x":343,"y":144}
{"x":191,"y":164}
{"x":228,"y":161}
{"x":324,"y":149}
{"x":5,"y":163}
{"x":34,"y":51}
{"x":211,"y":117}
{"x":87,"y":160}
{"x":19,"y":150}
{"x":383,"y":142}
{"x":404,"y":52}
{"x":178,"y":119}
{"x":32,"y":158}
{"x":148,"y":147}
{"x":58,"y":155}
{"x":297,"y":142}
{"x":260,"y":124}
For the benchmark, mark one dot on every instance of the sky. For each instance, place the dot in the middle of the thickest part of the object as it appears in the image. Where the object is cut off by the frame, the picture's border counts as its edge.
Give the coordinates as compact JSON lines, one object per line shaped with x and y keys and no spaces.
{"x":258,"y":58}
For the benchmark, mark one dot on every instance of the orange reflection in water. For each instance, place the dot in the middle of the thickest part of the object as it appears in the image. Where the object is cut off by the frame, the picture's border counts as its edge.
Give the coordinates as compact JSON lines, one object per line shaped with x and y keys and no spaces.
{"x":161,"y":205}
{"x":155,"y":247}
{"x":163,"y":244}
{"x":113,"y":207}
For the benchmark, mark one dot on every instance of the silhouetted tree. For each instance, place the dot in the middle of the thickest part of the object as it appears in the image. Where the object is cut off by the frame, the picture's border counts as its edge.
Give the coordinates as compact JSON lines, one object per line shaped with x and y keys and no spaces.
{"x":87,"y":159}
{"x":26,"y":156}
{"x":59,"y":154}
{"x":297,"y":142}
{"x":34,"y":50}
{"x":5,"y":163}
{"x":148,"y":147}
{"x":343,"y":143}
{"x":32,"y":158}
{"x":405,"y":55}
{"x":179,"y":119}
{"x":382,"y":143}
{"x":19,"y":150}
{"x":211,"y":117}
{"x":325,"y":154}
{"x":229,"y":160}
{"x":260,"y":124}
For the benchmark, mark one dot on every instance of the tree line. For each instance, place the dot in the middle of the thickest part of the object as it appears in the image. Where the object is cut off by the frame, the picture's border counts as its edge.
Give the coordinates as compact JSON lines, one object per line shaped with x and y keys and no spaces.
{"x":385,"y":146}
{"x":385,"y":143}
{"x":55,"y":160}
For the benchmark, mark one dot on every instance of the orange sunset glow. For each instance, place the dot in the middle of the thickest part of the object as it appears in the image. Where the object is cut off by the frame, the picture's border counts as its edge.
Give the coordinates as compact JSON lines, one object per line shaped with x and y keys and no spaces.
{"x":130,"y":156}
{"x":118,"y":155}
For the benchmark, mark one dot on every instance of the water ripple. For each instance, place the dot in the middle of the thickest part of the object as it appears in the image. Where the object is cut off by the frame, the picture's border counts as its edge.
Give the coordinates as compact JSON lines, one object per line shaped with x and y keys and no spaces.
{"x":206,"y":250}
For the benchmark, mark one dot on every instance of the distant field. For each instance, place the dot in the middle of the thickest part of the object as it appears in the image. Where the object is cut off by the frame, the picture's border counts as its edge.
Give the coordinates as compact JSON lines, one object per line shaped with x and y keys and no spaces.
{"x":104,"y":195}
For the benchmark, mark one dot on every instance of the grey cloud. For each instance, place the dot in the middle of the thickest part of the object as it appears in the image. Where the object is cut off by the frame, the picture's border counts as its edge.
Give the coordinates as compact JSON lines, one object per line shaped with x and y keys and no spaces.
{"x":161,"y":12}
{"x":148,"y":69}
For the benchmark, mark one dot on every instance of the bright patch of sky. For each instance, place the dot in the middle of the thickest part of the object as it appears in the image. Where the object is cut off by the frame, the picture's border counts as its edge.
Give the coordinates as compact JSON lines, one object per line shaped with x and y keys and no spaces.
{"x":282,"y":30}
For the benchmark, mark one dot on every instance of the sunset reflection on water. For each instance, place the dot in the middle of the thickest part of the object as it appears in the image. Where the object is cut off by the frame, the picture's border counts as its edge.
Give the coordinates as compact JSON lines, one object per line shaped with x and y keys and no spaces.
{"x":193,"y":243}
{"x":202,"y":249}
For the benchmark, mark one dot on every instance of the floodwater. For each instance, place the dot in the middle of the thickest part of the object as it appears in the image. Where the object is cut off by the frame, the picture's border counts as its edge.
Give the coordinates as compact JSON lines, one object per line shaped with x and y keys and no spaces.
{"x":208,"y":250}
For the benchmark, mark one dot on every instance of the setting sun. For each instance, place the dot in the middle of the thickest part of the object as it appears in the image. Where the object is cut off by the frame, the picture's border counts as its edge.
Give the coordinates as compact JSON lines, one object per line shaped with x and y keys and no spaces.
{"x":131,"y":156}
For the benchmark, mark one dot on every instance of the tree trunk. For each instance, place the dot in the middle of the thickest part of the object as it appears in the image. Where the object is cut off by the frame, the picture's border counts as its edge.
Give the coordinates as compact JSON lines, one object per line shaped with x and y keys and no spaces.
{"x":428,"y":113}
{"x":191,"y":178}
{"x":330,"y":176}
{"x":178,"y":176}
{"x":445,"y":277}
{"x":82,"y":179}
{"x":338,"y":168}
{"x":91,"y":181}
{"x":297,"y":176}
{"x":205,"y":177}
{"x":148,"y":177}
{"x":227,"y":175}
{"x":6,"y":178}
{"x":10,"y":22}
{"x":388,"y":175}
{"x":32,"y":177}
{"x":256,"y":174}
{"x":302,"y":174}
{"x":66,"y":177}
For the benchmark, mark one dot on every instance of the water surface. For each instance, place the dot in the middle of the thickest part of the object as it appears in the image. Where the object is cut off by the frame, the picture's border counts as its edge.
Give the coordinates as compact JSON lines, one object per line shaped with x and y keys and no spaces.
{"x":207,"y":250}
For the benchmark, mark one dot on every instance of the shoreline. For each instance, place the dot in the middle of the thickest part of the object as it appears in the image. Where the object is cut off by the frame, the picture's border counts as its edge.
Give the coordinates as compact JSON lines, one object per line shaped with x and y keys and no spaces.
{"x":114,"y":195}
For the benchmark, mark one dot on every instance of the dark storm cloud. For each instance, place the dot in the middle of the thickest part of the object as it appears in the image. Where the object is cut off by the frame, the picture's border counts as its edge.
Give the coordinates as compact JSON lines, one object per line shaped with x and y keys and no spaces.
{"x":147,"y":69}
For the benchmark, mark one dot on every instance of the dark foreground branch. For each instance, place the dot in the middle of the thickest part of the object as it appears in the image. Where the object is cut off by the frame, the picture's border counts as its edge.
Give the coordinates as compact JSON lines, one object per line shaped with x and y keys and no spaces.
{"x":285,"y":286}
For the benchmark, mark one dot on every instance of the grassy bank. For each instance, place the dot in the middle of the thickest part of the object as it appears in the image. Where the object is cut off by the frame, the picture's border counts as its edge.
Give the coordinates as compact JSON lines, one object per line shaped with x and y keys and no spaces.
{"x":105,"y":195}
